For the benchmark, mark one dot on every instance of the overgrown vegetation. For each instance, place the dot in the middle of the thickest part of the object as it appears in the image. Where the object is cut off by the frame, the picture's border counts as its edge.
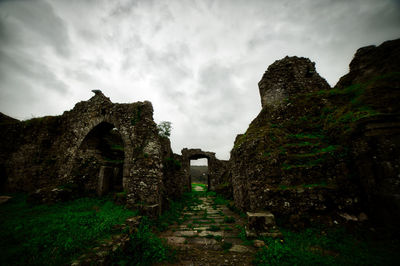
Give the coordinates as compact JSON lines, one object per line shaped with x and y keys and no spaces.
{"x":136,"y":116}
{"x":164,"y":129}
{"x":173,"y":214}
{"x":144,"y":248}
{"x":54,"y":234}
{"x":316,"y":130}
{"x":319,"y":246}
{"x":172,"y":164}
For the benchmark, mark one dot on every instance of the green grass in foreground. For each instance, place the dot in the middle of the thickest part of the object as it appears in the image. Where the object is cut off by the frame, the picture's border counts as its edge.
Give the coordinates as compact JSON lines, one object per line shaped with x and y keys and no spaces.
{"x":326,"y":247}
{"x":144,"y":248}
{"x":54,"y":234}
{"x":199,"y":185}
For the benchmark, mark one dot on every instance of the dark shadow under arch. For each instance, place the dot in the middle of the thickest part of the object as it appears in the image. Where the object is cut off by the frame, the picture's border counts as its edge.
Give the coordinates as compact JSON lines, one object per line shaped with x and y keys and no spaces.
{"x":99,"y":160}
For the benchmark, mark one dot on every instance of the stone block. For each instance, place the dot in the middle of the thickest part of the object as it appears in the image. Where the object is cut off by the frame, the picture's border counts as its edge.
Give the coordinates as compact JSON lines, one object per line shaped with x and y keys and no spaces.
{"x":260,"y":221}
{"x":152,"y":211}
{"x":261,"y":224}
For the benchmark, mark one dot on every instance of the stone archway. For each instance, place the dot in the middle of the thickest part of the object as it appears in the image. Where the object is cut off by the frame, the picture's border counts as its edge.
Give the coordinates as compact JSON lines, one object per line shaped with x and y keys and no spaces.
{"x":213,"y":166}
{"x":55,"y":142}
{"x":99,"y":160}
{"x":200,"y":175}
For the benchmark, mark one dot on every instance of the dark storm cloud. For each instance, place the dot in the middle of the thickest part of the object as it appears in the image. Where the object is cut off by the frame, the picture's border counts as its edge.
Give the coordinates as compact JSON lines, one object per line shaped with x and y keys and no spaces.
{"x":26,"y":29}
{"x":33,"y":23}
{"x":27,"y":69}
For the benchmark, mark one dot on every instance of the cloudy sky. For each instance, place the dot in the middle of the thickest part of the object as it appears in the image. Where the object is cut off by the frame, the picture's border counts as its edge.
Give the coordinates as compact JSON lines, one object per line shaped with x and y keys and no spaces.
{"x":198,"y":62}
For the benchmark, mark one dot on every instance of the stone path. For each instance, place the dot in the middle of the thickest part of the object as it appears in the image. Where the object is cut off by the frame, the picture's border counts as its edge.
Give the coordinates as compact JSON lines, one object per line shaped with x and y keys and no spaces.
{"x":209,"y":235}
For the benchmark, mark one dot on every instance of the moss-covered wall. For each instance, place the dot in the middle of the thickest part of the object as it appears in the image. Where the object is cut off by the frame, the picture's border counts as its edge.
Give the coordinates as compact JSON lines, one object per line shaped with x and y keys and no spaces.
{"x":307,"y":153}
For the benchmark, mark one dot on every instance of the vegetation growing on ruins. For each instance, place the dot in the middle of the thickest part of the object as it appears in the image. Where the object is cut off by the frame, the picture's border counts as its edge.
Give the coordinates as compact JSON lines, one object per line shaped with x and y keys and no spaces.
{"x":144,"y":248}
{"x":164,"y":129}
{"x":54,"y":234}
{"x":137,"y":115}
{"x":172,"y":164}
{"x":324,"y":246}
{"x":312,"y":136}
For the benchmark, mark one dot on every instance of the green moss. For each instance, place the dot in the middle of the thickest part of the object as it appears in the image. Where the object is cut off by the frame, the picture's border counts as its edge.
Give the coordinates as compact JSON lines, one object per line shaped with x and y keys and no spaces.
{"x":219,"y":200}
{"x":172,"y":164}
{"x":229,"y":219}
{"x":306,"y":164}
{"x":226,"y":245}
{"x":214,"y":228}
{"x":312,"y":136}
{"x":121,"y":194}
{"x":218,"y":238}
{"x":136,"y":116}
{"x":117,"y":147}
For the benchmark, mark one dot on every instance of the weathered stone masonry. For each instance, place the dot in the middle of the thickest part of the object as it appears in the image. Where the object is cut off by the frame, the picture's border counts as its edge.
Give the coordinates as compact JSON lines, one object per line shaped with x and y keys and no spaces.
{"x":315,"y":150}
{"x":43,"y":152}
{"x":216,"y":167}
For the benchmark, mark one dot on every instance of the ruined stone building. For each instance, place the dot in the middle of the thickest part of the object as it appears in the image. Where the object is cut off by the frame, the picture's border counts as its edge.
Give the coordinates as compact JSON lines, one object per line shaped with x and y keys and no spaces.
{"x":96,"y":147}
{"x":312,"y":151}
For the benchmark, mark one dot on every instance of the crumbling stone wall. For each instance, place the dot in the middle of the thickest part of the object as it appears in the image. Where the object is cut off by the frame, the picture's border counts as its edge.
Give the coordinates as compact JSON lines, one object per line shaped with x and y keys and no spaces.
{"x":215,"y":167}
{"x":291,"y":75}
{"x":42,"y":152}
{"x":174,"y":178}
{"x":376,"y":150}
{"x":315,"y":150}
{"x":375,"y":141}
{"x":273,"y":164}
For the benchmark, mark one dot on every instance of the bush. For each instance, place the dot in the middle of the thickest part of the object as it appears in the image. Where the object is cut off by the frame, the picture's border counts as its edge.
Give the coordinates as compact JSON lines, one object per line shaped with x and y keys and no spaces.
{"x":164,"y":129}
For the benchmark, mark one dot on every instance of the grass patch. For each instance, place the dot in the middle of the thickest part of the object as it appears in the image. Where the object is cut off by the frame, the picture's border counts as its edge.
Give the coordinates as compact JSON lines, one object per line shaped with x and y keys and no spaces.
{"x":144,"y":248}
{"x":316,"y":246}
{"x":229,"y":219}
{"x":173,"y":214}
{"x":117,"y":147}
{"x":218,"y":238}
{"x":54,"y":234}
{"x":214,"y":228}
{"x":226,"y":245}
{"x":204,"y":186}
{"x":242,"y":235}
{"x":219,"y":200}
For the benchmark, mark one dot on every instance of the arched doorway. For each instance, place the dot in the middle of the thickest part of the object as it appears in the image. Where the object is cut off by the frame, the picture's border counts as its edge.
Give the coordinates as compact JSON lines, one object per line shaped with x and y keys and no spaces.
{"x":199,"y":172}
{"x":98,"y":166}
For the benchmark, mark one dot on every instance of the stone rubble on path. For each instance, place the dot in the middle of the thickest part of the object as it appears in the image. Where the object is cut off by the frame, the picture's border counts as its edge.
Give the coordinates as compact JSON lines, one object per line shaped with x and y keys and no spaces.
{"x":201,"y":237}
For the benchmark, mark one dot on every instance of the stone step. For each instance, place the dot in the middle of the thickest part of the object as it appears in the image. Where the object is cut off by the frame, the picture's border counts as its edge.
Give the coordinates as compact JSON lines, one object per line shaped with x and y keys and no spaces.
{"x":185,"y":233}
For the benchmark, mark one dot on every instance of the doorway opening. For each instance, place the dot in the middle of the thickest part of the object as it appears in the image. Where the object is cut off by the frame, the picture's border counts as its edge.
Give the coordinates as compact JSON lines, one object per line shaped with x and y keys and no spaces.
{"x":99,"y":161}
{"x":199,"y":174}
